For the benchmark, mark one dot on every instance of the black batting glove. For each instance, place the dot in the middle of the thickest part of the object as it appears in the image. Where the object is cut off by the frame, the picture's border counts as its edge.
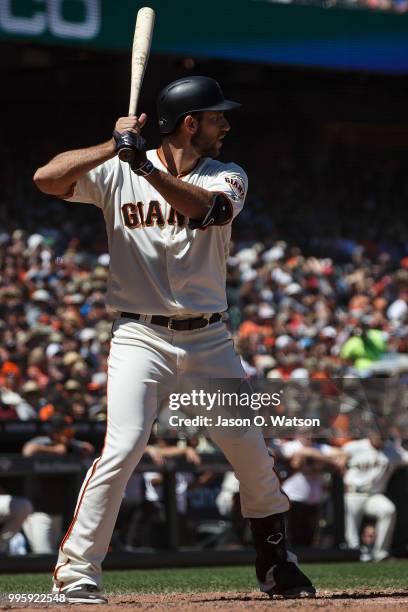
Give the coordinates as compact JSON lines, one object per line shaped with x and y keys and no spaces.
{"x":130,"y":148}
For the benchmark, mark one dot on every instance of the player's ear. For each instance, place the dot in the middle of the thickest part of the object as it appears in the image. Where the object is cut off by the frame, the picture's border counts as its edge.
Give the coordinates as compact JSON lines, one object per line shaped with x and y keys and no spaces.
{"x":190,"y":124}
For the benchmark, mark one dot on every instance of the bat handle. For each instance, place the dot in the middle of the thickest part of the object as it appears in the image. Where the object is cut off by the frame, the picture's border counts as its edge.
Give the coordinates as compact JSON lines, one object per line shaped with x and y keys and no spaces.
{"x":126,"y":155}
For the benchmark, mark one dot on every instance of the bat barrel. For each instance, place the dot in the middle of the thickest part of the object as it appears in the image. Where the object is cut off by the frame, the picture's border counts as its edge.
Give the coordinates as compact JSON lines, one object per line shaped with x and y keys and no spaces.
{"x":140,"y":53}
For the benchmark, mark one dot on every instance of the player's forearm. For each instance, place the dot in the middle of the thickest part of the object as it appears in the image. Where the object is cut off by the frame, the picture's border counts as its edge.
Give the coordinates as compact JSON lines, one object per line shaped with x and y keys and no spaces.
{"x":61,"y":173}
{"x":189,"y":200}
{"x":310,"y":453}
{"x":33,"y":449}
{"x":173,"y":451}
{"x":313,"y":453}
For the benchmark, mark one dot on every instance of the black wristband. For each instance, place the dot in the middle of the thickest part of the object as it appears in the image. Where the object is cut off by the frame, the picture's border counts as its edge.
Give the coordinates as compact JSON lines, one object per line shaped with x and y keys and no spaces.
{"x":144,"y":169}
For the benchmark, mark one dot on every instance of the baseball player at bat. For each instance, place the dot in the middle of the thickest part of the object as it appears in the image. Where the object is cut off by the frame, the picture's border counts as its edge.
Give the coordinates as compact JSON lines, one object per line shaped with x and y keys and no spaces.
{"x":167,"y":283}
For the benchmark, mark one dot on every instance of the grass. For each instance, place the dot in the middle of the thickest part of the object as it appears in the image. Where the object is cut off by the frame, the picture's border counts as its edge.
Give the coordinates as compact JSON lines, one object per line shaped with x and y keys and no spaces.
{"x":391,"y":574}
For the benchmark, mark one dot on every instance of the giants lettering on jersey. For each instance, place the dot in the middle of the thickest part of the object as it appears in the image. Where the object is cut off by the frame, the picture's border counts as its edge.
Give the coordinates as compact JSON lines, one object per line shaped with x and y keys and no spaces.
{"x":237,"y":187}
{"x":137,"y":215}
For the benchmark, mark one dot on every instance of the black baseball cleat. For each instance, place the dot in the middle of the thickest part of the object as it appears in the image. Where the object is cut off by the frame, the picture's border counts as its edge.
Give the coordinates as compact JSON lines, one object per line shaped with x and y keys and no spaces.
{"x":276,"y":566}
{"x":83,"y":594}
{"x":288,"y":580}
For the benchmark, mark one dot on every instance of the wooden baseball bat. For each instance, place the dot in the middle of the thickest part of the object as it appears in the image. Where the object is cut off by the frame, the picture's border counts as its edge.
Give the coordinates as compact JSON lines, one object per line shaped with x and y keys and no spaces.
{"x":142,"y":41}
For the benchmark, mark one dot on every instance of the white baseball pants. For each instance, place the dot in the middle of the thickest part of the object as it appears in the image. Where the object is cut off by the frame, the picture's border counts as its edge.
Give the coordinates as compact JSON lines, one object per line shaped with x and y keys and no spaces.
{"x":43,"y":532}
{"x":376,"y":506}
{"x":144,"y":365}
{"x":13,"y":512}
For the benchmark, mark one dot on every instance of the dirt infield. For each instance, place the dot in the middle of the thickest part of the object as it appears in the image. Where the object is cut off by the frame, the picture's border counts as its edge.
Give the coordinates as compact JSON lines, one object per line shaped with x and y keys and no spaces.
{"x":353,"y":600}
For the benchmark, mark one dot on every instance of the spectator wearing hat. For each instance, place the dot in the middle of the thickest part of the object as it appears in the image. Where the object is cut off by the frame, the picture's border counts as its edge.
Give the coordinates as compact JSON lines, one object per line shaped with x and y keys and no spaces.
{"x":10,"y":399}
{"x":41,"y":302}
{"x":47,"y":493}
{"x":365,"y":346}
{"x":28,"y":407}
{"x":10,"y":374}
{"x":88,"y":348}
{"x":37,"y":366}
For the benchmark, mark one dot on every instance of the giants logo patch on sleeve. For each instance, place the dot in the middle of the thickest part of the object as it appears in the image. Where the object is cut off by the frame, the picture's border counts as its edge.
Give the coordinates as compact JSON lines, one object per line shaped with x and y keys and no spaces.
{"x":237,"y":186}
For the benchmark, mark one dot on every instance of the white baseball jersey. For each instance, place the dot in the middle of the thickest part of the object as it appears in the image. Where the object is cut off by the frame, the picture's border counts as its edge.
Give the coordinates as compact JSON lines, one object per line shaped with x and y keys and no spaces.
{"x":369,"y":469}
{"x":158,"y":264}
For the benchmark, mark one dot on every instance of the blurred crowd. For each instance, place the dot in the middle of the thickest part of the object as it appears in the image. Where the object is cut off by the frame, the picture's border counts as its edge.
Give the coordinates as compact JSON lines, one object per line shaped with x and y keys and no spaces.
{"x":55,"y":330}
{"x":292,"y":317}
{"x":317,"y":285}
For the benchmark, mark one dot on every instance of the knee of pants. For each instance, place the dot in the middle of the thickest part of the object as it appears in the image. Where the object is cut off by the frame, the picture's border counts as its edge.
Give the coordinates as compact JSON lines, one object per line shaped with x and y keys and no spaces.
{"x":380,"y":507}
{"x":21,"y":506}
{"x":129,"y":448}
{"x":387,"y":510}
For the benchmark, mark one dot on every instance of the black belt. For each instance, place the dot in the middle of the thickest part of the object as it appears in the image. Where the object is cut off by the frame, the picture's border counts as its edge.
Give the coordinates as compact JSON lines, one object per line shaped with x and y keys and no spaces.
{"x":176,"y":324}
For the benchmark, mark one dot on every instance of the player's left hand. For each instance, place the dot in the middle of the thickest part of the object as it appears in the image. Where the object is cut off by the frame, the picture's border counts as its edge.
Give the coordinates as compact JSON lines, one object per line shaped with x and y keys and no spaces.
{"x":130,"y":145}
{"x":131,"y":124}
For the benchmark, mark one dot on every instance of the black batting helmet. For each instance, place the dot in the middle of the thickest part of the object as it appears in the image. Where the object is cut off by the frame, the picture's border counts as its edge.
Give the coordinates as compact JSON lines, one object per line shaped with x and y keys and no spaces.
{"x":189,"y":95}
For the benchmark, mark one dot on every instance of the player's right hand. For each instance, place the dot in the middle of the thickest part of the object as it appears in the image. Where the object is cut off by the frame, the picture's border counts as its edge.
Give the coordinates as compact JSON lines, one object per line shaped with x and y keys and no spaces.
{"x":131,"y":124}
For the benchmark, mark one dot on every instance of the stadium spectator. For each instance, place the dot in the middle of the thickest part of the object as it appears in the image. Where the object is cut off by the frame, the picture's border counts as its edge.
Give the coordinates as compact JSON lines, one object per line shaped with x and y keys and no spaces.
{"x":365,"y":346}
{"x":370,"y":464}
{"x":367,"y":539}
{"x":153,"y":483}
{"x":229,"y":507}
{"x":135,"y":515}
{"x":47,"y":492}
{"x":10,"y":378}
{"x":154,"y":480}
{"x":30,"y":394}
{"x":228,"y":494}
{"x":305,"y":486}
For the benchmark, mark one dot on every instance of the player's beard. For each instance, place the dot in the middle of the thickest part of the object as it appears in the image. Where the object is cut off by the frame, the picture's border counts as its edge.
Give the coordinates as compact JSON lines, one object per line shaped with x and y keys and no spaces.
{"x":204,"y":146}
